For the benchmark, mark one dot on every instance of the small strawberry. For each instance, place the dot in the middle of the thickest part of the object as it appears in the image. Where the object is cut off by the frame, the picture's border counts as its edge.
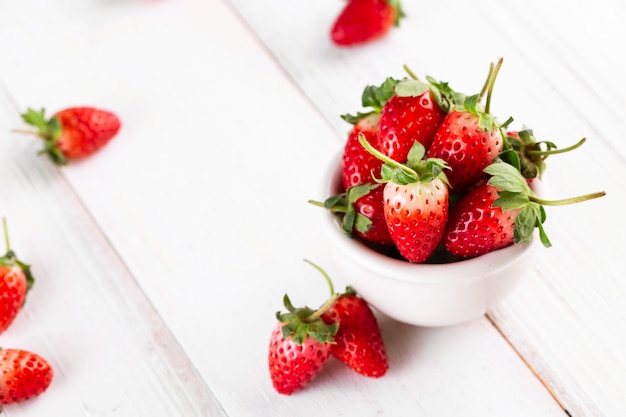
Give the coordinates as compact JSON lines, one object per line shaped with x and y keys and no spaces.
{"x":413,"y":113}
{"x":15,"y":281}
{"x":73,"y":133}
{"x":23,"y":375}
{"x":299,"y":346}
{"x":359,"y":166}
{"x":363,"y":21}
{"x":499,"y":213}
{"x":362,"y":211}
{"x":531,"y":154}
{"x":358,"y":342}
{"x":469,"y":139}
{"x":415,"y":202}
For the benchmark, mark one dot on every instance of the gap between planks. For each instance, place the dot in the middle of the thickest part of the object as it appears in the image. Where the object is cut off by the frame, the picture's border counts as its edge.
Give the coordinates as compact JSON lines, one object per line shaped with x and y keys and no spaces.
{"x":530,"y":366}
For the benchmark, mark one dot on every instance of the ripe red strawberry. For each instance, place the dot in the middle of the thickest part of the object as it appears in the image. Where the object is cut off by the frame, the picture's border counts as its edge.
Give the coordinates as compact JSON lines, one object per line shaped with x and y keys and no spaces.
{"x":469,"y":139}
{"x":413,"y":113}
{"x":15,"y":281}
{"x":299,"y":347}
{"x":73,"y":133}
{"x":23,"y":375}
{"x":358,"y":342}
{"x":415,"y":202}
{"x":499,"y":213}
{"x":359,"y":166}
{"x":363,"y":21}
{"x":476,"y":227}
{"x":362,"y":211}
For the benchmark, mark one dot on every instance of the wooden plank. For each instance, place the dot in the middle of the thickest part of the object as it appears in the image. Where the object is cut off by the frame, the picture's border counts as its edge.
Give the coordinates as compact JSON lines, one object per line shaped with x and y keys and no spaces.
{"x":86,"y":314}
{"x":204,"y":196}
{"x":561,"y":77}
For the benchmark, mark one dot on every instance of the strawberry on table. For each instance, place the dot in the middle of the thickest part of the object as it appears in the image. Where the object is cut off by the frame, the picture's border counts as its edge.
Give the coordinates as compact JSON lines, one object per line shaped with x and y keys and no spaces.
{"x":74,"y":132}
{"x":499,"y":213}
{"x":469,"y":139}
{"x":358,"y":342}
{"x":299,"y":346}
{"x":23,"y":375}
{"x":15,"y":281}
{"x":415,"y":202}
{"x":363,"y":21}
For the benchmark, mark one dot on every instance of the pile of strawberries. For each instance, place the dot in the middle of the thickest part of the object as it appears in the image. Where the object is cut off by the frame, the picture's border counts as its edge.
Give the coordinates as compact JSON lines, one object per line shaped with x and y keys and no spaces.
{"x":430,"y":175}
{"x":303,"y":340}
{"x":70,"y":134}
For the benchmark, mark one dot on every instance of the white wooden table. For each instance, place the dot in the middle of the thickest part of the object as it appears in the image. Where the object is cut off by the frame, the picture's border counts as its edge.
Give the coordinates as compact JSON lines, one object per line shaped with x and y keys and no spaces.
{"x":161,"y":261}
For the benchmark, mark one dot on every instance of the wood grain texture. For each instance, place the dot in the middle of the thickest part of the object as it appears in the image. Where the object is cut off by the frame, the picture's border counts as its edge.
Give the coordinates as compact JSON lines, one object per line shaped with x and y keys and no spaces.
{"x":111,"y":353}
{"x":195,"y":220}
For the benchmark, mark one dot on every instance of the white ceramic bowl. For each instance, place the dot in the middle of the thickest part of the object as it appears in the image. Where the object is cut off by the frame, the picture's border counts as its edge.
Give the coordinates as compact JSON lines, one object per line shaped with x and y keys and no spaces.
{"x":425,"y":294}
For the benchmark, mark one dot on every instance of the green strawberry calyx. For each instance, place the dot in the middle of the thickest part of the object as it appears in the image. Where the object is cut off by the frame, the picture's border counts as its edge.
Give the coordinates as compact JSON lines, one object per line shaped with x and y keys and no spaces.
{"x":375,"y":98}
{"x":303,"y":322}
{"x":10,"y":259}
{"x":399,"y":11}
{"x":528,"y":154}
{"x":515,"y":193}
{"x":344,"y":203}
{"x":444,"y":95}
{"x":416,"y":168}
{"x":49,"y":130}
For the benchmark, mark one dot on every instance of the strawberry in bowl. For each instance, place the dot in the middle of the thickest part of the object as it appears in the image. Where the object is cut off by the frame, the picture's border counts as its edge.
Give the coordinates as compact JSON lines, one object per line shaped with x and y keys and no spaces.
{"x":458,"y":244}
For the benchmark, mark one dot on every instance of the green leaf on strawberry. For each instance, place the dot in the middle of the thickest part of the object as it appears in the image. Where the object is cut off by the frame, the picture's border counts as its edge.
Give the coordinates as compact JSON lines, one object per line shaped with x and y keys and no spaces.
{"x":375,"y":98}
{"x":516,"y":193}
{"x":304,"y":321}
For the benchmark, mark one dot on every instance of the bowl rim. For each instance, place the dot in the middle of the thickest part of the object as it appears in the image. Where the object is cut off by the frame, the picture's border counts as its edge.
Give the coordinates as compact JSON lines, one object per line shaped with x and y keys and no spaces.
{"x":422,"y":273}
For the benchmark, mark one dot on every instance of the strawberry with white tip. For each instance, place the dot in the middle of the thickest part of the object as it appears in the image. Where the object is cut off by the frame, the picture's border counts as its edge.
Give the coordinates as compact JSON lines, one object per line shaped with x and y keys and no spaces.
{"x":415,"y":202}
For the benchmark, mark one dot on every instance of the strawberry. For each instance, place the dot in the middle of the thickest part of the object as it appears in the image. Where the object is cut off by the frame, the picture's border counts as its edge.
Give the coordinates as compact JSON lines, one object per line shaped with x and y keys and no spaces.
{"x":415,"y":201}
{"x":15,"y":281}
{"x":362,"y":211}
{"x":299,"y":347}
{"x":363,"y":21}
{"x":359,"y":166}
{"x":73,"y":133}
{"x":499,"y":213}
{"x":476,"y":227}
{"x":469,"y":139}
{"x":23,"y":375}
{"x":358,"y":342}
{"x":413,"y":113}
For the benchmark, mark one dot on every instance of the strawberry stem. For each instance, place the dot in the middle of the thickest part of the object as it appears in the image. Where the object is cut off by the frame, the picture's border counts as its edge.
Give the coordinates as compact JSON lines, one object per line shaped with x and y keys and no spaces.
{"x":557,"y":151}
{"x":333,"y":295}
{"x":328,"y":280}
{"x":26,"y":132}
{"x":408,"y":171}
{"x":6,"y":235}
{"x":566,"y":201}
{"x":491,"y":80}
{"x":411,"y":73}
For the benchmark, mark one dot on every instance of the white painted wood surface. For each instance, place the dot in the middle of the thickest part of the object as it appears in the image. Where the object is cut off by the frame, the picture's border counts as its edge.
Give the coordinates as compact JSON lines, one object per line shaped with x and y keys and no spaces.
{"x":162,"y":260}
